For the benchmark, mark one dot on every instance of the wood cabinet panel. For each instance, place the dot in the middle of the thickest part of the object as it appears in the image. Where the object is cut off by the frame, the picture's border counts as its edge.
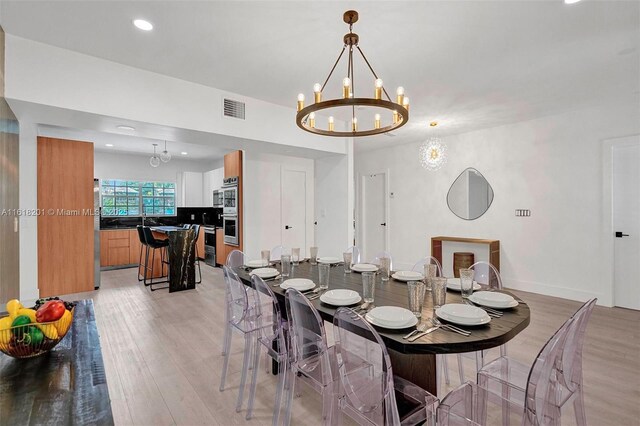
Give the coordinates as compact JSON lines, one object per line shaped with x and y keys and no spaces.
{"x":134,"y":247}
{"x":233,"y":166}
{"x":119,"y":255}
{"x":65,"y":238}
{"x":220,"y":247}
{"x":200,"y":243}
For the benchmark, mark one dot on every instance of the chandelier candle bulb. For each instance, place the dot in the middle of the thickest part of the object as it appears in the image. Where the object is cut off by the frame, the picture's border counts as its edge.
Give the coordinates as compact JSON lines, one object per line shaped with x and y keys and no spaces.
{"x":395,"y":117}
{"x":346,"y":88}
{"x":400,"y":97}
{"x":405,"y":103}
{"x":376,"y":124}
{"x":331,"y":123}
{"x":300,"y":101}
{"x":312,"y":119}
{"x":354,"y":124}
{"x":317,"y":92}
{"x":378,"y":91}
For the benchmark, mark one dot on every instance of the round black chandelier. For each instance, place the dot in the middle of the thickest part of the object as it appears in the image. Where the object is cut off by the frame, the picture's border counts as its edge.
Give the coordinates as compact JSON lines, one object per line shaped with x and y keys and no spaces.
{"x":398,"y":110}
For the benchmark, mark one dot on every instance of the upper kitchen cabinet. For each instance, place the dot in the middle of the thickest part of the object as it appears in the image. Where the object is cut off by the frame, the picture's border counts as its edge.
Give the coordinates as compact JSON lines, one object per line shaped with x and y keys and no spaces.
{"x":233,"y":164}
{"x":212,"y":181}
{"x":192,"y":189}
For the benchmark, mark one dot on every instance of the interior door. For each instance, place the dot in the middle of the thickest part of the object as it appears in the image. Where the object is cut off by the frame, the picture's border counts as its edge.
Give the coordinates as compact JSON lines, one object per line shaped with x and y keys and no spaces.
{"x":294,"y":209}
{"x":374,"y":215}
{"x":626,"y":223}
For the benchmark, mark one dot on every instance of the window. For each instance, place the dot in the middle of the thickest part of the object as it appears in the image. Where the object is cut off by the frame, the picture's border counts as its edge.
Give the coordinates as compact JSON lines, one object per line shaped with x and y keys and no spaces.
{"x":133,"y":198}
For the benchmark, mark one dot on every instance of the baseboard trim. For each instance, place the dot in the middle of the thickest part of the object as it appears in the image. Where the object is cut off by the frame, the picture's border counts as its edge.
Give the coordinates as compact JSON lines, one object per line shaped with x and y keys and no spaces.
{"x":555,"y":291}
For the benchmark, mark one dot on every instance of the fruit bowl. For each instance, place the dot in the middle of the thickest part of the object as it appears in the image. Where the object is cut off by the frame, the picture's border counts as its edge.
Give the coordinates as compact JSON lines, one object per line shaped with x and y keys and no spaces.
{"x":34,"y":338}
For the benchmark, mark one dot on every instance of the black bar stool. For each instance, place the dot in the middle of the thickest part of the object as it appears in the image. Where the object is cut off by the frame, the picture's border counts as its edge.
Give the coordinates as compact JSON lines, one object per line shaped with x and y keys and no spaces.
{"x":153,"y":245}
{"x":143,"y":246}
{"x":196,"y":229}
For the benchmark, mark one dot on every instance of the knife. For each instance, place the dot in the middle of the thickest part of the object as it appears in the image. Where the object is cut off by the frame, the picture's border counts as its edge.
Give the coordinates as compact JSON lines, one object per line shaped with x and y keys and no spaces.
{"x":424,"y":333}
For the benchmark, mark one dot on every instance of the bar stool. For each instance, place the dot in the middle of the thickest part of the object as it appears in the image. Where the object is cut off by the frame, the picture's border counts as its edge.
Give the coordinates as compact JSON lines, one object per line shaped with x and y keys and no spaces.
{"x":196,"y":229}
{"x":143,"y":245}
{"x":153,"y":244}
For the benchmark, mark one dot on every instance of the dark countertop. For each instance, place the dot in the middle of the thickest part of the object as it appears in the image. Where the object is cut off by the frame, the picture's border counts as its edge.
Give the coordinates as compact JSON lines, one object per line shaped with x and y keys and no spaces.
{"x":67,"y":386}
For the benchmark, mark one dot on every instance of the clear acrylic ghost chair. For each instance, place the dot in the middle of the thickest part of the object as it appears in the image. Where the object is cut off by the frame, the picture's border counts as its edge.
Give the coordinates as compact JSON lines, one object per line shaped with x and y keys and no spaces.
{"x":488,"y":275}
{"x":376,"y":260}
{"x":270,"y":337}
{"x":554,"y":380}
{"x":355,"y":254}
{"x":277,"y":252}
{"x":369,"y":393}
{"x":240,"y":316}
{"x":419,"y":266}
{"x":309,"y":355}
{"x":235,"y":259}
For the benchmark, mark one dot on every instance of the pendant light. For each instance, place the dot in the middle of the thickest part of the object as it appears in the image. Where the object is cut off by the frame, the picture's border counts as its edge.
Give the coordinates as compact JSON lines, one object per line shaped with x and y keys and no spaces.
{"x":433,"y":152}
{"x":154,"y":160}
{"x":164,"y":155}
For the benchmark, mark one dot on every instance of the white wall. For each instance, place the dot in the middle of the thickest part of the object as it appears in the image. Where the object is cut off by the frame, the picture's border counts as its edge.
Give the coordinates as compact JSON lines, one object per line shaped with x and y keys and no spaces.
{"x":28,"y":200}
{"x":551,"y":165}
{"x":136,"y":167}
{"x":262,"y":200}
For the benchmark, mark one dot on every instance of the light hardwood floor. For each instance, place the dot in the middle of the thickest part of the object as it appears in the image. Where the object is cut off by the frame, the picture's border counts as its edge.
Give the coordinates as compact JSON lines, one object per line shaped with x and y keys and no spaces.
{"x":162,"y":356}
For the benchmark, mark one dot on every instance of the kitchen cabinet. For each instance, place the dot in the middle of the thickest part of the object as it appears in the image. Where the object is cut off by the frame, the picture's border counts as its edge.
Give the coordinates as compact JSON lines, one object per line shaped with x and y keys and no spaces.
{"x":221,"y":248}
{"x":211,"y":181}
{"x":200,"y":243}
{"x":121,"y":247}
{"x":192,"y":189}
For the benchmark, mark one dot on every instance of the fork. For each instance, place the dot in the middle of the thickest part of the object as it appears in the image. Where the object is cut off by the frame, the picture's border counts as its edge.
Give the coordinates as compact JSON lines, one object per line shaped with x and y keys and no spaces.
{"x":422,"y":327}
{"x":450,"y":327}
{"x":491,"y":312}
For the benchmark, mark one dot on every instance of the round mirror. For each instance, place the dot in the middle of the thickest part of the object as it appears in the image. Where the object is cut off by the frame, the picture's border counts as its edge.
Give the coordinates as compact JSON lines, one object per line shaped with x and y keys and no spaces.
{"x":470,"y":195}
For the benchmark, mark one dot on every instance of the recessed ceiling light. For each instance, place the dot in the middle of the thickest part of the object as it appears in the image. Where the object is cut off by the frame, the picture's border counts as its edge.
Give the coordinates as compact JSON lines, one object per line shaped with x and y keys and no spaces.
{"x":108,"y":144}
{"x":571,"y":1}
{"x":143,"y":25}
{"x":184,"y":153}
{"x":122,"y":127}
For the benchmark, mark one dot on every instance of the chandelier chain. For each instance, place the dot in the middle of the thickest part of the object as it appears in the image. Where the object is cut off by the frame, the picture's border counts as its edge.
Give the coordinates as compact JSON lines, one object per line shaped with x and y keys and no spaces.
{"x":372,"y":71}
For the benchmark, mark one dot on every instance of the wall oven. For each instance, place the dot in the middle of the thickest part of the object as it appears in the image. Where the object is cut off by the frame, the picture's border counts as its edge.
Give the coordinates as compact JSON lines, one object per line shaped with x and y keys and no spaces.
{"x":218,"y":198}
{"x":230,"y":196}
{"x":230,"y":228}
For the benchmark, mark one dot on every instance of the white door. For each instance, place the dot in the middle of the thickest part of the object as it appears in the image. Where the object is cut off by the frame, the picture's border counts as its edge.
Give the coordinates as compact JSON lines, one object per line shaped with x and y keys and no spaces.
{"x":294,"y":209}
{"x":626,"y":224}
{"x":374,"y":215}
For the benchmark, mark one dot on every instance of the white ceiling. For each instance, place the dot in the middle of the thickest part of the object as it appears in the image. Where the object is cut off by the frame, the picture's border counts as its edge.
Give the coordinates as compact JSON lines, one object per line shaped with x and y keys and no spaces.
{"x":129,"y":144}
{"x":469,"y":64}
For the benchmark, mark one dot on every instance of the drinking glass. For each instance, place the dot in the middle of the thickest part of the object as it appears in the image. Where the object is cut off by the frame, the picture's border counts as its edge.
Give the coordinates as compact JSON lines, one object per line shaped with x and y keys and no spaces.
{"x":438,"y":291}
{"x":430,"y":271}
{"x":295,"y":256}
{"x":323,"y":270}
{"x":466,"y":282}
{"x":266,"y":257}
{"x":314,"y":255}
{"x":285,"y":262}
{"x":368,"y":286}
{"x":385,"y":265}
{"x":347,"y":256}
{"x":416,"y":297}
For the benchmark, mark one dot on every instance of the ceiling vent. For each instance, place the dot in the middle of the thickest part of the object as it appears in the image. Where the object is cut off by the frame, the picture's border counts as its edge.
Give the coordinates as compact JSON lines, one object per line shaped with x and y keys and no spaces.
{"x":234,"y":109}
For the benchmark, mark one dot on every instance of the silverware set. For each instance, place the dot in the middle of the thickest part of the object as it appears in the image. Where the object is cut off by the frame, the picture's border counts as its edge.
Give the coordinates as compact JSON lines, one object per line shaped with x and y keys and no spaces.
{"x":493,"y":313}
{"x":432,"y":325}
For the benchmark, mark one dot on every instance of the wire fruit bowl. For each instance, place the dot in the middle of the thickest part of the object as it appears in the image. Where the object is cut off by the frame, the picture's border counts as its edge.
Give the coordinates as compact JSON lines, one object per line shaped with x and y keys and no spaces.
{"x":34,"y":339}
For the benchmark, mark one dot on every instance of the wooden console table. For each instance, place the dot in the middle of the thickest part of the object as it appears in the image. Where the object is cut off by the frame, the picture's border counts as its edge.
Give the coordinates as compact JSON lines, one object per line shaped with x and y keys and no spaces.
{"x":494,"y":247}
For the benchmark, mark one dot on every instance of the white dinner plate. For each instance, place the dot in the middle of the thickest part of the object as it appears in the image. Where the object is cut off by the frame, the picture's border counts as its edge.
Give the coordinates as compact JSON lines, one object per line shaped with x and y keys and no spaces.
{"x":392,"y":317}
{"x":407,"y":276}
{"x":300,"y":284}
{"x":340,"y":297}
{"x":454,"y":284}
{"x":493,"y":299}
{"x":265,"y":273}
{"x":329,"y":260}
{"x":364,"y":267}
{"x":257,"y":263}
{"x":463,"y":314}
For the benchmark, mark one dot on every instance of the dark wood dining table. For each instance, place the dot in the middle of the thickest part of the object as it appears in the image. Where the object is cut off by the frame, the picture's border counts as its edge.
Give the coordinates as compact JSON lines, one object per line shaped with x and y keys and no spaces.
{"x":413,"y":361}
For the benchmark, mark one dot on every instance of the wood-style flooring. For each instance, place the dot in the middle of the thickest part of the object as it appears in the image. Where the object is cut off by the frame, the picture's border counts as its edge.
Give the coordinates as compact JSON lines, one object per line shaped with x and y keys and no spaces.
{"x":162,"y":356}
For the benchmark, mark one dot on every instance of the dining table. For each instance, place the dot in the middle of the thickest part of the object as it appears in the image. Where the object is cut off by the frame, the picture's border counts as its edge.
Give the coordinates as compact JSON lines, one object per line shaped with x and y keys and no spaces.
{"x":182,"y":254}
{"x":414,"y":361}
